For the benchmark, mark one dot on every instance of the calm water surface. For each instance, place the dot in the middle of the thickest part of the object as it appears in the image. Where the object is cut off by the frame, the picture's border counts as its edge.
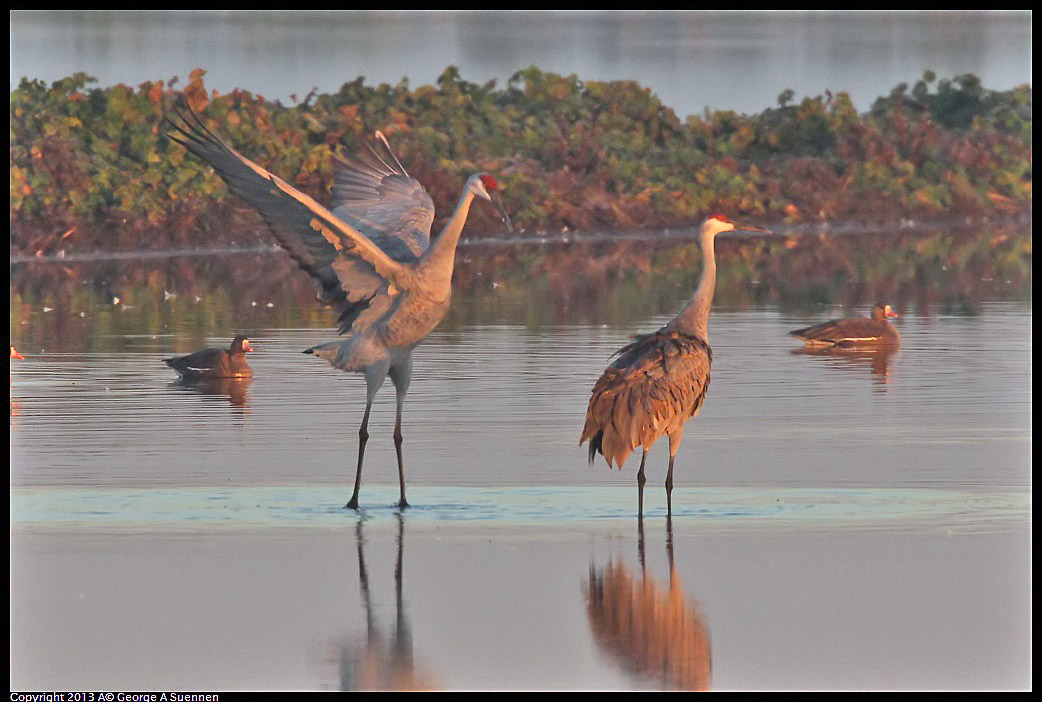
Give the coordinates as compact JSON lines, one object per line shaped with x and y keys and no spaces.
{"x":873,"y":508}
{"x":722,"y":60}
{"x":502,"y":405}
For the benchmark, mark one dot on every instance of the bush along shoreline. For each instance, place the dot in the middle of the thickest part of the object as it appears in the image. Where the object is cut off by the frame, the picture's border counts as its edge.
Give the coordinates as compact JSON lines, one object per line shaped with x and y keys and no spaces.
{"x":91,"y":168}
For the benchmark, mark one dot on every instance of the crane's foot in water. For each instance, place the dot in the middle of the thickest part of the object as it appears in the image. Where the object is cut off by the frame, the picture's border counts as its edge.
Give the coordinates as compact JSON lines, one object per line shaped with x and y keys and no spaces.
{"x":402,"y":504}
{"x":353,"y":504}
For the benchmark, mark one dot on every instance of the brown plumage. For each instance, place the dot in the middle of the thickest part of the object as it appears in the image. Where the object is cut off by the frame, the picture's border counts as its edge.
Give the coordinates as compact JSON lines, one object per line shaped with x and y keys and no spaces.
{"x":653,"y":631}
{"x":659,"y":380}
{"x":656,"y":384}
{"x":853,"y":331}
{"x":215,"y":363}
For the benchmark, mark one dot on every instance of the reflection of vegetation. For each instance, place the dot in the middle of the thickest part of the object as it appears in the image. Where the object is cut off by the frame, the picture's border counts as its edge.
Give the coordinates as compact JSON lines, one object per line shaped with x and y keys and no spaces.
{"x":613,"y":282}
{"x":90,"y":167}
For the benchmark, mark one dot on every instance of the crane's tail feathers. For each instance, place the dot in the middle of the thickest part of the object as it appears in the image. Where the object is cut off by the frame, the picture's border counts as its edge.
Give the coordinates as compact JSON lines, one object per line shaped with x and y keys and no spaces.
{"x":330,"y":353}
{"x":595,"y":446}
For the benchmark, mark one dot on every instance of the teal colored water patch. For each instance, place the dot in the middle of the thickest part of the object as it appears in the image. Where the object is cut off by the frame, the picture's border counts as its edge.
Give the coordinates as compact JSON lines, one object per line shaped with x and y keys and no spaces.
{"x":710,"y":508}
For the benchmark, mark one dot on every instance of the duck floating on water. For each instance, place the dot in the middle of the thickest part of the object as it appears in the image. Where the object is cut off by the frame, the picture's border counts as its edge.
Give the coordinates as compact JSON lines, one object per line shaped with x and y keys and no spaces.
{"x":215,"y":363}
{"x":853,"y":331}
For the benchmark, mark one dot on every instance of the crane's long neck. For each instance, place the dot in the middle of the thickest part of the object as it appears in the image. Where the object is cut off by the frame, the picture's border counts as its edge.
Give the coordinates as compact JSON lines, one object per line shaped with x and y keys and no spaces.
{"x":438,"y":261}
{"x":694,"y":319}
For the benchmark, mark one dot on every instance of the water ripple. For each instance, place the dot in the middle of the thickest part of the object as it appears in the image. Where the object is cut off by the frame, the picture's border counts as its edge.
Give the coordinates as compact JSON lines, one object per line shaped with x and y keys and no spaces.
{"x":709,"y":508}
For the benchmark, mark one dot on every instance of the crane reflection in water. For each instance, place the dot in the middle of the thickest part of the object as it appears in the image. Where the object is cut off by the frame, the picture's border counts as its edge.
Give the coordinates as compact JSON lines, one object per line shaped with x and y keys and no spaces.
{"x":381,"y":661}
{"x":651,"y":630}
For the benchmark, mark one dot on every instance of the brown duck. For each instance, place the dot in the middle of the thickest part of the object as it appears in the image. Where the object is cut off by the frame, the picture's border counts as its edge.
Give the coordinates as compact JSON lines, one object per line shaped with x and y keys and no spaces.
{"x":215,"y":363}
{"x":853,"y":331}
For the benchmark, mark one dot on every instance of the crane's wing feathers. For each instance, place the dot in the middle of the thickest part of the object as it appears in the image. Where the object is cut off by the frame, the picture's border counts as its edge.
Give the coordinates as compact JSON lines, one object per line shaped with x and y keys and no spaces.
{"x":383,"y":202}
{"x":349,"y":269}
{"x":658,"y":381}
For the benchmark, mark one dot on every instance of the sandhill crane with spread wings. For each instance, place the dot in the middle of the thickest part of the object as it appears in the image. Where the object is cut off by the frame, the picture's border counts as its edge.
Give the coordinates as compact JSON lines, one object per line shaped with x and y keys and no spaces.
{"x":370,"y":256}
{"x":659,"y":380}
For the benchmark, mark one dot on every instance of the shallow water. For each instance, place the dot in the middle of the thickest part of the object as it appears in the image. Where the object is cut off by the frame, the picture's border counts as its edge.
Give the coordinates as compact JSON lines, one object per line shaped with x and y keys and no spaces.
{"x":508,"y":606}
{"x":874,"y":509}
{"x":499,"y":405}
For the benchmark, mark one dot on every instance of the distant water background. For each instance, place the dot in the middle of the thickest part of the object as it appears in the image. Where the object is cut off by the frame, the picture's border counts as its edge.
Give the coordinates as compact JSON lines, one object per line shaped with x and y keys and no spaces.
{"x":723,"y":60}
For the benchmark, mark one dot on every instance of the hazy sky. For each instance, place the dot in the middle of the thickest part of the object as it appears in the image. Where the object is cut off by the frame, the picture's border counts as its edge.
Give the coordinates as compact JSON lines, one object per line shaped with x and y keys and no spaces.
{"x":691,"y":60}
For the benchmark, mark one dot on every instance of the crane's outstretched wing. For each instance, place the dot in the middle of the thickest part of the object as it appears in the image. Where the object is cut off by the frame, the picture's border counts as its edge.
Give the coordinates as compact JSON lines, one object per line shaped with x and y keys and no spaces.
{"x":381,"y":200}
{"x":659,"y":380}
{"x":352,"y":273}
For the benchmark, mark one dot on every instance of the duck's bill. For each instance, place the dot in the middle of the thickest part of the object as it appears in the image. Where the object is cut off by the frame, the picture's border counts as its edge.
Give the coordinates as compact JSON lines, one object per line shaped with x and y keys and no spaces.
{"x":246,"y":346}
{"x":502,"y":212}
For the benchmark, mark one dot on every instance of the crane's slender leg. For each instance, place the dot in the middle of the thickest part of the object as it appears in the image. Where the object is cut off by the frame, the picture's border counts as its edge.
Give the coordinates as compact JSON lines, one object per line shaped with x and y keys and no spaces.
{"x":640,"y":544}
{"x":669,"y":546}
{"x":374,"y":378}
{"x":401,"y":375}
{"x":674,"y":445}
{"x":363,"y":437}
{"x":640,"y":485}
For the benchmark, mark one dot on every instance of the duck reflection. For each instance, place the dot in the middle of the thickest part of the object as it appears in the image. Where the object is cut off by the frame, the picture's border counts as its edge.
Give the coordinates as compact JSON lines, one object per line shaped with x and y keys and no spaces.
{"x":235,"y":389}
{"x":381,"y":662}
{"x":876,"y":360}
{"x":651,"y":630}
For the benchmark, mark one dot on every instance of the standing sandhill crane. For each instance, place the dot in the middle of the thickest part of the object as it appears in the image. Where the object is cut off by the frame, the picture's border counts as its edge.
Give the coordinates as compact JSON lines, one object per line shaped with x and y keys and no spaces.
{"x":659,"y":380}
{"x":370,"y":257}
{"x":853,"y":331}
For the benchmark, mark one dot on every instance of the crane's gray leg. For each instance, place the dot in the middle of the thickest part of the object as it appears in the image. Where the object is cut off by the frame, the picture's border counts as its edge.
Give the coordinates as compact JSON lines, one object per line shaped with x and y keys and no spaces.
{"x":674,"y":445}
{"x":640,"y":485}
{"x":401,"y":375}
{"x":374,"y":378}
{"x":640,"y":544}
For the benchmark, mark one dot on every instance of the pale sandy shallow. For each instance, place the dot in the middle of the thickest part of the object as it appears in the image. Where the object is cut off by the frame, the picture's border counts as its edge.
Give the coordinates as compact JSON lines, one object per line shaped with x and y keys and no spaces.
{"x":789,"y":589}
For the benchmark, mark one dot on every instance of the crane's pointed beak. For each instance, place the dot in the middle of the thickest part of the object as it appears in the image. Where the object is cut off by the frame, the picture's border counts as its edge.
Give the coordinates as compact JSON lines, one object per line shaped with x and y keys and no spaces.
{"x":744,"y":228}
{"x":502,"y":212}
